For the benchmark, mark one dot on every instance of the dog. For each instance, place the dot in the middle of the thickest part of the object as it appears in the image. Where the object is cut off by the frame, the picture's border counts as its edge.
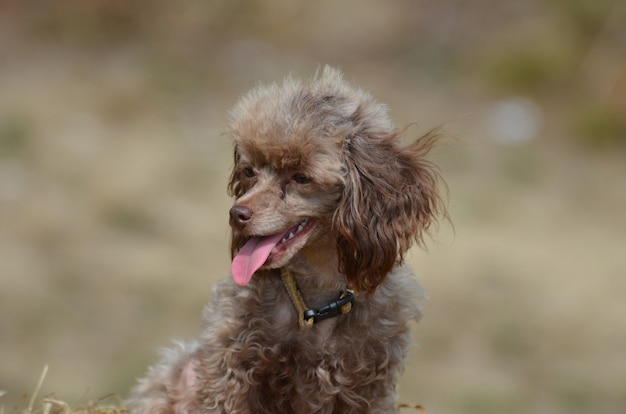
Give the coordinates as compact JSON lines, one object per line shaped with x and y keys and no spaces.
{"x":315,"y":317}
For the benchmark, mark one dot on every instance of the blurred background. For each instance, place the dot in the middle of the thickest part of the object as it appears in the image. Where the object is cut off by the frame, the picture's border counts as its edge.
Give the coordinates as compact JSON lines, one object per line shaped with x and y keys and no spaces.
{"x":114,"y":161}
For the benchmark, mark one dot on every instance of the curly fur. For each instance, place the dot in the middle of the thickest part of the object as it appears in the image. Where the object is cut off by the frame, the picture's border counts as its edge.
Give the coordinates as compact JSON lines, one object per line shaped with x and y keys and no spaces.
{"x":324,"y":152}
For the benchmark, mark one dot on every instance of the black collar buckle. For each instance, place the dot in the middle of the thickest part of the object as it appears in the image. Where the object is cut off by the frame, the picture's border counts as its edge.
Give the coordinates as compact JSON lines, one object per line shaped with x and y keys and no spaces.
{"x":336,"y":308}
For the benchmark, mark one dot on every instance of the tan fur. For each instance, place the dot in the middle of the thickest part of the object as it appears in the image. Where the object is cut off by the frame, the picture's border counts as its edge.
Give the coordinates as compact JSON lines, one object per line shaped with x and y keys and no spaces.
{"x":328,"y":153}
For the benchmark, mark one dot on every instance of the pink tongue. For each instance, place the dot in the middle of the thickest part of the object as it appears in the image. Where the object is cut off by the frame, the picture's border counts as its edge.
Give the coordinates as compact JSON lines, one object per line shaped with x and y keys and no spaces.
{"x":252,"y":256}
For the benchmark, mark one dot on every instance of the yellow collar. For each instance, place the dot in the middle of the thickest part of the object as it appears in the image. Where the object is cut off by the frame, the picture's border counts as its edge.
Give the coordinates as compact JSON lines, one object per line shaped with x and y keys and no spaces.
{"x":307,"y":317}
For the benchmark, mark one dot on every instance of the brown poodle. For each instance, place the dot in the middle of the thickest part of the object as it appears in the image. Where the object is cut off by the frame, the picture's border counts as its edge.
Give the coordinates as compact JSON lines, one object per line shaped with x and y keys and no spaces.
{"x":315,"y":318}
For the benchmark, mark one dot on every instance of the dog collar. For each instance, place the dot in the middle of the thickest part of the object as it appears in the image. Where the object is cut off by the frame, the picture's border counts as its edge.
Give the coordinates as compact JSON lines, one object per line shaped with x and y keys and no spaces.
{"x":306,"y":316}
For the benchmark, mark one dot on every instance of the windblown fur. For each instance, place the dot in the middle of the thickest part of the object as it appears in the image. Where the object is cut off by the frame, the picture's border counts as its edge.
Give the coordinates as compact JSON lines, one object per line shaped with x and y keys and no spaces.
{"x":324,"y":155}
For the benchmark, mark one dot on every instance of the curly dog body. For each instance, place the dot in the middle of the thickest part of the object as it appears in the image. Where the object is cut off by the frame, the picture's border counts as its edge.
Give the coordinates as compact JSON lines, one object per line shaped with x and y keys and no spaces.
{"x":327,"y":200}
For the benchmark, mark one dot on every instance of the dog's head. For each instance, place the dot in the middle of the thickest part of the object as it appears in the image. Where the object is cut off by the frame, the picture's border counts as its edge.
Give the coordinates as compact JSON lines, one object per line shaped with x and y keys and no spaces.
{"x":319,"y":164}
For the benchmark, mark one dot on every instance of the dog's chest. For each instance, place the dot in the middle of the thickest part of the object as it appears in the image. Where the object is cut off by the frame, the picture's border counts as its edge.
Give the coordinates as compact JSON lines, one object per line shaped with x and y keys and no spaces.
{"x":297,"y":375}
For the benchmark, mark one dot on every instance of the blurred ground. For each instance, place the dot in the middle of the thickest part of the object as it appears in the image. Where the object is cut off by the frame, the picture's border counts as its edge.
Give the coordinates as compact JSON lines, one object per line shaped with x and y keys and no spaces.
{"x":113,"y":165}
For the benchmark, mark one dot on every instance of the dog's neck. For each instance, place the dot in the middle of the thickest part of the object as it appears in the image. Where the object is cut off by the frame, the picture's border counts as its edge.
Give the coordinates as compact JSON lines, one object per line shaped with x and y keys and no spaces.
{"x":315,"y":272}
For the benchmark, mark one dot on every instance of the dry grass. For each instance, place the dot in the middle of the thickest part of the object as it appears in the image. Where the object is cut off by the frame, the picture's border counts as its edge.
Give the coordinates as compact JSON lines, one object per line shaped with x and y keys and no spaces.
{"x":50,"y":405}
{"x":53,"y":405}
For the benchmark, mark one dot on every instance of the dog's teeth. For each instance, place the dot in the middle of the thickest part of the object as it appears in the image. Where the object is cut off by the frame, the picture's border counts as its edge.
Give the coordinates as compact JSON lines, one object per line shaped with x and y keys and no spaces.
{"x":274,"y":250}
{"x":292,"y":234}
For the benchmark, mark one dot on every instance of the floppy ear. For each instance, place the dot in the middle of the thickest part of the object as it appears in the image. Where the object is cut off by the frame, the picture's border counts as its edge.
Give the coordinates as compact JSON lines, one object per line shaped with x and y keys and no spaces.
{"x":390,"y":199}
{"x":234,"y":183}
{"x":236,"y":190}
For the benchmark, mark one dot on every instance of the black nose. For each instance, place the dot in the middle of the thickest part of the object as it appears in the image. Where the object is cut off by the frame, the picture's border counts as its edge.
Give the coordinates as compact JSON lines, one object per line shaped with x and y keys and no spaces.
{"x":239,"y":216}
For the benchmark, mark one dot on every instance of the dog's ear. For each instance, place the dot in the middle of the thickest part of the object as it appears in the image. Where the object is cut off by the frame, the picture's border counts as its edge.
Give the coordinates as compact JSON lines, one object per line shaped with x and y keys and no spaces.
{"x":236,"y":190}
{"x":390,"y":199}
{"x":234,"y":182}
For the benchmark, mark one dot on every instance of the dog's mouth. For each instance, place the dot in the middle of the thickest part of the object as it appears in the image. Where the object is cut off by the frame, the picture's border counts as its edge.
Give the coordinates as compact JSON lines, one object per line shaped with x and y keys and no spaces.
{"x":269,"y":251}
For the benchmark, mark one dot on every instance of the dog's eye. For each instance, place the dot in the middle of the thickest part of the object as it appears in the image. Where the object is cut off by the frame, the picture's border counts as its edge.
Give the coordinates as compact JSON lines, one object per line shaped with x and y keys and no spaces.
{"x":301,"y":179}
{"x":248,"y":172}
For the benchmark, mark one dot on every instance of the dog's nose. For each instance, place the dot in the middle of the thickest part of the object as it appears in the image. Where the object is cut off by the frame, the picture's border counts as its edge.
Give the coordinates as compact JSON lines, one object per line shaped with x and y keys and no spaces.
{"x":240,"y":215}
